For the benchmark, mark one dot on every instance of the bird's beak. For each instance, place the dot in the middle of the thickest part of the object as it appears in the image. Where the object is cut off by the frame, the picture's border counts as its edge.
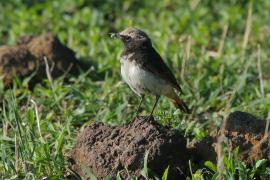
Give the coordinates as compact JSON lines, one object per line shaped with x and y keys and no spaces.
{"x":116,"y":35}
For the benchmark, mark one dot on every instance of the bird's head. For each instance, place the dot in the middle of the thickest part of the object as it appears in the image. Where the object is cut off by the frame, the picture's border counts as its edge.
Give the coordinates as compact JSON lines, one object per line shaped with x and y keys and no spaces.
{"x":134,"y":39}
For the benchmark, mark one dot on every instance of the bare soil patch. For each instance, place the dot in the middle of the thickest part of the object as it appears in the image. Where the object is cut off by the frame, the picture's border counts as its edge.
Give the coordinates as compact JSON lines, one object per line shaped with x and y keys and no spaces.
{"x":27,"y":57}
{"x":242,"y":130}
{"x":107,"y":150}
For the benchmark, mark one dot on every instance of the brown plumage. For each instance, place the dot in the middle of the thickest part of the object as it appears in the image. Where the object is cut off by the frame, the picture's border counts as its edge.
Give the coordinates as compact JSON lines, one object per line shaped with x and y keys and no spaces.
{"x":144,"y":70}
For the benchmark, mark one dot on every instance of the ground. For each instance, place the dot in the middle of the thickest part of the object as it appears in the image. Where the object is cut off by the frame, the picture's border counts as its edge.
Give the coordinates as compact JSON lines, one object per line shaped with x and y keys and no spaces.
{"x":105,"y":150}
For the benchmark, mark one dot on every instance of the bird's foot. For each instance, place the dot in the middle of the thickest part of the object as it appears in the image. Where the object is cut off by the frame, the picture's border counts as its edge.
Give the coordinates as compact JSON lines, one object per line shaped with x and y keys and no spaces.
{"x":148,"y":118}
{"x":142,"y":119}
{"x":136,"y":116}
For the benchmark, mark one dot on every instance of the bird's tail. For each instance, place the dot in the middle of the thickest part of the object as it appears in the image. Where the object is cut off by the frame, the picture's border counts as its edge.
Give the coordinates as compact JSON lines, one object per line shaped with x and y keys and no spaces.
{"x":178,"y":103}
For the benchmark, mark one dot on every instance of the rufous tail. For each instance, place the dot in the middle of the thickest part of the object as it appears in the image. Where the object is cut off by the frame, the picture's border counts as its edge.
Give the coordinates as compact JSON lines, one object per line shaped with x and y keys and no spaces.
{"x":178,"y":103}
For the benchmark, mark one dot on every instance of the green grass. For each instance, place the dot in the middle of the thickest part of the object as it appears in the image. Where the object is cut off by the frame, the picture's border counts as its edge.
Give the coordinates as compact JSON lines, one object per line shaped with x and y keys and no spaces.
{"x":43,"y":123}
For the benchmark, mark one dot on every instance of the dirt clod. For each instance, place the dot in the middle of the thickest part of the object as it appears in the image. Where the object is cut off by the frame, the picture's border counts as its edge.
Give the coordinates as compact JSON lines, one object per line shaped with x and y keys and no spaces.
{"x":107,"y":150}
{"x":27,"y":57}
{"x":242,"y":130}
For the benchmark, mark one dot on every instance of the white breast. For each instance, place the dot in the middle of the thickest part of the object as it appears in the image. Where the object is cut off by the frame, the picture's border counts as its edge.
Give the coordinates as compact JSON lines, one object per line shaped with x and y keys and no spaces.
{"x":142,"y":81}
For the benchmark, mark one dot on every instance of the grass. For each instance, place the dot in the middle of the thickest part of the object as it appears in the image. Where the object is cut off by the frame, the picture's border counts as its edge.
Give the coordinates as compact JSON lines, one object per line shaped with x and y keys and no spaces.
{"x":219,"y":50}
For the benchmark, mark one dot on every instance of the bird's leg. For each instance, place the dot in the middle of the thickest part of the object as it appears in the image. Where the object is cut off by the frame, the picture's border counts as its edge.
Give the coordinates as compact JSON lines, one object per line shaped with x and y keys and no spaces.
{"x":139,"y":106}
{"x":157,"y":98}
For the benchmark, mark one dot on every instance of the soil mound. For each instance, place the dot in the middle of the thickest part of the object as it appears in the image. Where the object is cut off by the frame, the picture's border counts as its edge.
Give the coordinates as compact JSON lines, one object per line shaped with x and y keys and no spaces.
{"x":107,"y":150}
{"x":242,"y":130}
{"x":27,"y":58}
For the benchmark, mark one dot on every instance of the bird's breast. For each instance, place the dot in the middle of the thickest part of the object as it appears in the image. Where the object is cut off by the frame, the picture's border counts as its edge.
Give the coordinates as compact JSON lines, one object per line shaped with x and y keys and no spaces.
{"x":140,"y":80}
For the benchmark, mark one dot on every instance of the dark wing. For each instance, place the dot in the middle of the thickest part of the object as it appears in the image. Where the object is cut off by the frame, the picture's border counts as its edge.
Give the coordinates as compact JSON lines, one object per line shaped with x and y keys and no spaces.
{"x":155,"y":64}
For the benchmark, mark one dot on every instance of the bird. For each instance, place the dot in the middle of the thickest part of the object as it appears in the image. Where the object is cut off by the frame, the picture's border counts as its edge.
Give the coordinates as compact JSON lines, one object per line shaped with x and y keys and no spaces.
{"x":144,"y":70}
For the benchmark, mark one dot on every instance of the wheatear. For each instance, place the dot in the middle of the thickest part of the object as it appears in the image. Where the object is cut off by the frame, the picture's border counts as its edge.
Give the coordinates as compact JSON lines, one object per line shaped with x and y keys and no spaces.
{"x":144,"y":71}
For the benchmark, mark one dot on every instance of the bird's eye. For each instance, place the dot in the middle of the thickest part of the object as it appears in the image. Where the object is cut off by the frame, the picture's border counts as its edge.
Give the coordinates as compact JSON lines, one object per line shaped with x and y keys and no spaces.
{"x":127,"y":38}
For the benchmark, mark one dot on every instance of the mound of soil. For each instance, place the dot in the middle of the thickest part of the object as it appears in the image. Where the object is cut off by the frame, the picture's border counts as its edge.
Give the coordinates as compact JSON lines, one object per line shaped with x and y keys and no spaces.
{"x":242,"y":130}
{"x":245,"y":131}
{"x":27,"y":57}
{"x":106,"y":150}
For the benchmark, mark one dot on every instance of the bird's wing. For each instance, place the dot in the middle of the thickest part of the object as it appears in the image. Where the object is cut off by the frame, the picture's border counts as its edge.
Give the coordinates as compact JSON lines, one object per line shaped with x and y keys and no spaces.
{"x":155,"y":64}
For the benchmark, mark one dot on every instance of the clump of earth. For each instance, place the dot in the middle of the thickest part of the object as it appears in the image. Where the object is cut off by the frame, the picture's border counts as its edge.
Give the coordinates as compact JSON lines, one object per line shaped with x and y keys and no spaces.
{"x":28,"y":56}
{"x":105,"y":150}
{"x":242,"y":130}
